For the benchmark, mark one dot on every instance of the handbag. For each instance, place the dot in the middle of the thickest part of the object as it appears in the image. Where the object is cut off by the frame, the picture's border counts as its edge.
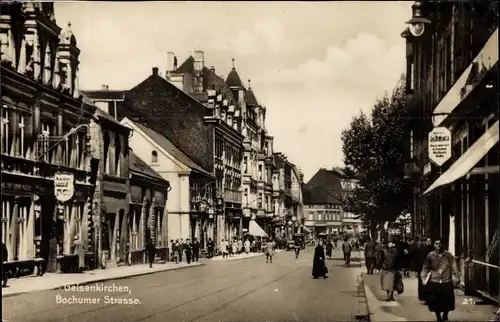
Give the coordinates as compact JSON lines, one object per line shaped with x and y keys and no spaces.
{"x":400,"y":288}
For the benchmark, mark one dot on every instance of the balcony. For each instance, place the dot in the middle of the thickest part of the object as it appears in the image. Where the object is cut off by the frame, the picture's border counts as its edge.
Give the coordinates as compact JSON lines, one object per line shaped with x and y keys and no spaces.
{"x":233,"y":196}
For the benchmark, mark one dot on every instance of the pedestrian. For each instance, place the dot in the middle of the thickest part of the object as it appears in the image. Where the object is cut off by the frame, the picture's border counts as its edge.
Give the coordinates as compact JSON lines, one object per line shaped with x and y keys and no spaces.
{"x":234,"y":247}
{"x":247,"y":246}
{"x":180,"y":249}
{"x":379,"y":247}
{"x":413,"y":254}
{"x":440,"y":275}
{"x":329,"y":249}
{"x":78,"y":249}
{"x":224,"y":249}
{"x":423,"y":251}
{"x":173,"y":251}
{"x":188,"y":249}
{"x":389,"y":270}
{"x":240,"y":246}
{"x":369,"y":255}
{"x":347,"y":249}
{"x":196,"y":250}
{"x":319,"y":266}
{"x":127,"y":253}
{"x":210,"y":247}
{"x":150,"y":251}
{"x":270,"y":246}
{"x":5,"y":258}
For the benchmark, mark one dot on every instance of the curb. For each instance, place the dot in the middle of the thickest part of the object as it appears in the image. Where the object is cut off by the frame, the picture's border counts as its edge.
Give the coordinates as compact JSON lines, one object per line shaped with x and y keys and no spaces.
{"x":97,"y":280}
{"x":374,"y":308}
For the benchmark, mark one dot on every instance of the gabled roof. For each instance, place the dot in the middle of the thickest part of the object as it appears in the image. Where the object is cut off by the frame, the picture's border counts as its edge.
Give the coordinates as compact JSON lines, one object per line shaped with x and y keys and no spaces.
{"x":250,"y":98}
{"x":312,"y":195}
{"x":138,"y":165}
{"x":210,"y":81}
{"x":170,"y":148}
{"x":324,"y":187}
{"x":233,"y":79}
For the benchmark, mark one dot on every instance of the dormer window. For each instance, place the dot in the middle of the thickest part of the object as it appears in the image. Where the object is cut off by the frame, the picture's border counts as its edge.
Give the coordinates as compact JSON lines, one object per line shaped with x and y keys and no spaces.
{"x":154,"y":157}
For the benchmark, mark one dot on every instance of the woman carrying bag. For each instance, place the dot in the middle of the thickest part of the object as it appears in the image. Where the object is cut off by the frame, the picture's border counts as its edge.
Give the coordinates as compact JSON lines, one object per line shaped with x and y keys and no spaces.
{"x":440,"y":276}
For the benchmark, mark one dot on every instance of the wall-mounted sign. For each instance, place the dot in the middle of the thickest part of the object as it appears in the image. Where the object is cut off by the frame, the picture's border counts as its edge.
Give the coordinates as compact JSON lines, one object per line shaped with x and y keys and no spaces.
{"x":439,"y":145}
{"x":64,"y":186}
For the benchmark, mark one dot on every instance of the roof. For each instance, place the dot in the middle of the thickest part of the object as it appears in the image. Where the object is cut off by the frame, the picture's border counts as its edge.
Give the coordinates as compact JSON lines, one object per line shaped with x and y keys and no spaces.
{"x":233,"y":79}
{"x":324,"y":187}
{"x":210,"y":81}
{"x":105,"y":94}
{"x":138,"y":165}
{"x":250,"y":97}
{"x":168,"y":146}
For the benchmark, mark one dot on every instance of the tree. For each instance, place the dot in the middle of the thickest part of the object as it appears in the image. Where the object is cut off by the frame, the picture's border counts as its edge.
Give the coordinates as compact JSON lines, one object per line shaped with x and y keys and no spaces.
{"x":374,"y":151}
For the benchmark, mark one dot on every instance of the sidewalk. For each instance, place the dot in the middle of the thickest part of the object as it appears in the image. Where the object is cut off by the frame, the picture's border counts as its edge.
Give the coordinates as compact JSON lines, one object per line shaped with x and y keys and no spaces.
{"x":52,"y":281}
{"x":407,"y":307}
{"x":240,"y":256}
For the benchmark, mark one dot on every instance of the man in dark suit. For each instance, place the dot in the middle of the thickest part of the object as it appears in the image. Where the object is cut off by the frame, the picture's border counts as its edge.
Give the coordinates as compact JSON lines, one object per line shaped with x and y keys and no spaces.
{"x":196,"y":250}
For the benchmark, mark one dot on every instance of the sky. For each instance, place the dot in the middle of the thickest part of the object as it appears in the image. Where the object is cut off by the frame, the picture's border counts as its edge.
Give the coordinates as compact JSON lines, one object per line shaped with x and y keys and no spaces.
{"x":314,"y":66}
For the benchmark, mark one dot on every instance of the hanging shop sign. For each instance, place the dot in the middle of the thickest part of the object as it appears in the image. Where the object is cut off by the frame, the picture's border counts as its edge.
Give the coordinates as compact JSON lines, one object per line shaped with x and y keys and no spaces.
{"x":64,"y":186}
{"x":439,"y":145}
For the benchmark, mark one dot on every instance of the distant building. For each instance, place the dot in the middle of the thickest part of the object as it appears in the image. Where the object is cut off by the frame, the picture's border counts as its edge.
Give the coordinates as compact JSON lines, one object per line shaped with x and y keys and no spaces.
{"x":107,"y":100}
{"x":323,"y":203}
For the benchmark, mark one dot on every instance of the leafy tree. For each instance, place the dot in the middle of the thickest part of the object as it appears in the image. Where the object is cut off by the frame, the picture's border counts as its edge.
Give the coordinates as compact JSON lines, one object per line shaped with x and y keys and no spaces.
{"x":374,"y":151}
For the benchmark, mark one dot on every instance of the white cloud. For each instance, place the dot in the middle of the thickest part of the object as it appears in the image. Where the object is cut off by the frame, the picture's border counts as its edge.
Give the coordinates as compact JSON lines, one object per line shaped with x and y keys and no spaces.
{"x":263,"y":37}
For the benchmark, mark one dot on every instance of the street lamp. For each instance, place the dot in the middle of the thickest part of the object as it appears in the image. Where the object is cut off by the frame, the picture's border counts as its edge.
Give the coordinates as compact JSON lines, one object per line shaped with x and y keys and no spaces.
{"x":418,"y":21}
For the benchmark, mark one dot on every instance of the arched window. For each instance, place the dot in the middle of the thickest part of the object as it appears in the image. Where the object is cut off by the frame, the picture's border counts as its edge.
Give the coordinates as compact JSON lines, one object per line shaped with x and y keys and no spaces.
{"x":154,"y":156}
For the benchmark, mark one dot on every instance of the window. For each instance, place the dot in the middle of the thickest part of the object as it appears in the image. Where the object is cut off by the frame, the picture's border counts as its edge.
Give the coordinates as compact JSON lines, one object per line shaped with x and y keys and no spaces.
{"x":310,"y":216}
{"x":245,"y":164}
{"x":5,"y":131}
{"x":260,"y":172}
{"x":118,"y":155}
{"x":21,"y":150}
{"x":320,"y":216}
{"x":46,"y":129}
{"x":260,"y":200}
{"x":112,"y":109}
{"x":106,"y":150}
{"x":154,"y":157}
{"x":245,"y":196}
{"x":411,"y":145}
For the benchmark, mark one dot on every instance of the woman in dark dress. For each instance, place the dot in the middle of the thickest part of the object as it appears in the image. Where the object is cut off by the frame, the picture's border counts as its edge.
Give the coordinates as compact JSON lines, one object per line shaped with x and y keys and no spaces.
{"x":319,"y":267}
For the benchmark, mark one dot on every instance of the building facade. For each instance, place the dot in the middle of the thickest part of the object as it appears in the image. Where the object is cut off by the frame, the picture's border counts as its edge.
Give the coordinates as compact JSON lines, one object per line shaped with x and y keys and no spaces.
{"x":453,"y":86}
{"x":287,"y":197}
{"x":191,"y":185}
{"x":147,"y":216}
{"x":107,"y":100}
{"x":45,"y":140}
{"x":322,"y":195}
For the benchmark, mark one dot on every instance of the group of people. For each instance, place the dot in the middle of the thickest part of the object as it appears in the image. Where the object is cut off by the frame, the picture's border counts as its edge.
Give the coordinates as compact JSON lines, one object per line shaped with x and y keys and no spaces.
{"x":433,"y":265}
{"x":186,"y":249}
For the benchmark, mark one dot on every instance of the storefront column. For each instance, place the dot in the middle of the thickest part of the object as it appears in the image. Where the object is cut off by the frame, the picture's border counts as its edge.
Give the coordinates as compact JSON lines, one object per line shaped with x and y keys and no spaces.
{"x":14,"y":229}
{"x":152,"y":221}
{"x":30,"y":230}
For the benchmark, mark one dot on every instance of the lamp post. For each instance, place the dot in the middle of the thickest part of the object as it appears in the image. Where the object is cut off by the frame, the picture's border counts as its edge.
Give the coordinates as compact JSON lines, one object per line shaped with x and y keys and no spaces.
{"x":418,"y":21}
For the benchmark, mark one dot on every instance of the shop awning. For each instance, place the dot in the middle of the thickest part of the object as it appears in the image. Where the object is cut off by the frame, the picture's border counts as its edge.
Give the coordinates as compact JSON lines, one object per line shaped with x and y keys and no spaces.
{"x":255,"y":230}
{"x":469,"y":159}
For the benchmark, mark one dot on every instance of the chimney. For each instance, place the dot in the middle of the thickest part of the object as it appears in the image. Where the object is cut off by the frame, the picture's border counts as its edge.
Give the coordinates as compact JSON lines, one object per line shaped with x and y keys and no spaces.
{"x":105,"y":87}
{"x":212,"y":69}
{"x":199,"y":60}
{"x":171,"y":62}
{"x":155,"y":71}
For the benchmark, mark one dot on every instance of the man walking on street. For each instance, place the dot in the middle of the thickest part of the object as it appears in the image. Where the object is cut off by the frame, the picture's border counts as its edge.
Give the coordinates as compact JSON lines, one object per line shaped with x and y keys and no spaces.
{"x":189,"y":250}
{"x":150,"y":251}
{"x":5,"y":256}
{"x":370,"y":255}
{"x":210,"y":246}
{"x":180,"y":249}
{"x":196,"y":250}
{"x":347,"y":249}
{"x":173,"y":251}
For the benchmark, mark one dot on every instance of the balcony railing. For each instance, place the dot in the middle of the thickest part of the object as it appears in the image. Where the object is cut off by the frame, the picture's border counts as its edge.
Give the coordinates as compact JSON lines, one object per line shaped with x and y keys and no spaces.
{"x":233,"y":196}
